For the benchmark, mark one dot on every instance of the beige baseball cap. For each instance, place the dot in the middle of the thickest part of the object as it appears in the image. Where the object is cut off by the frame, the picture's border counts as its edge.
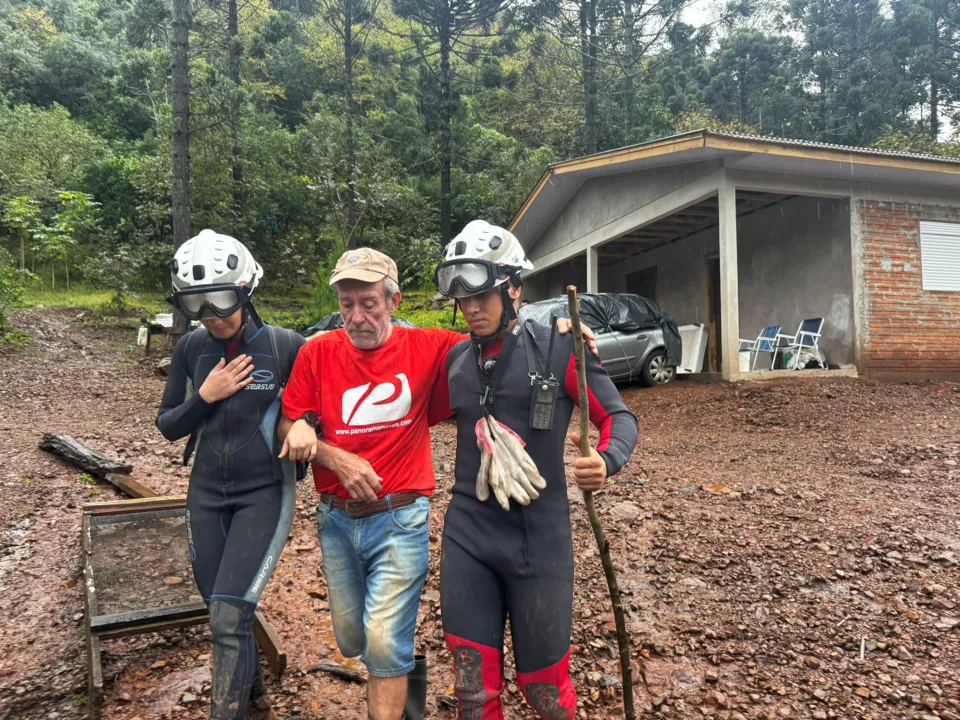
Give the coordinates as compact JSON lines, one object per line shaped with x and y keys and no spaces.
{"x":366,"y":265}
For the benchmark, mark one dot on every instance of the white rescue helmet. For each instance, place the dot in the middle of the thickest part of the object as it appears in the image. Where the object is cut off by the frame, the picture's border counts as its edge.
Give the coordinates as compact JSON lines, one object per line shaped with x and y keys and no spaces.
{"x":213,"y":275}
{"x":481,"y":257}
{"x":211,"y":258}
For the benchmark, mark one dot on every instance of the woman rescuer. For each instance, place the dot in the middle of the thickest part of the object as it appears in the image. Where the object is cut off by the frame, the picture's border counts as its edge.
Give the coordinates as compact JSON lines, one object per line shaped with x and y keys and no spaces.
{"x":223,"y":390}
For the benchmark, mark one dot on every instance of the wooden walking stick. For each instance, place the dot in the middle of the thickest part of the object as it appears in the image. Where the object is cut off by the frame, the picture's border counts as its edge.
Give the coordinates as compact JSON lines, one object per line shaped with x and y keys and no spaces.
{"x":623,"y":639}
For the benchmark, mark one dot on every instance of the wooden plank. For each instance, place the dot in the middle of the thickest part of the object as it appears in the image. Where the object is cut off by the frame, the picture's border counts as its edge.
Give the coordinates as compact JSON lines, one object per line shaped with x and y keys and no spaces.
{"x":126,"y":484}
{"x":94,"y":676}
{"x":118,"y":507}
{"x":89,"y":589}
{"x":137,"y":618}
{"x":655,"y":148}
{"x":94,"y":668}
{"x":74,"y":451}
{"x":199,"y":618}
{"x":269,"y":644}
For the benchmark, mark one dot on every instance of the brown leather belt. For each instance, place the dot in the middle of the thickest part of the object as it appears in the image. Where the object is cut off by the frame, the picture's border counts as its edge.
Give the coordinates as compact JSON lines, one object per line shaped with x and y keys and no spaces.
{"x":364,"y":508}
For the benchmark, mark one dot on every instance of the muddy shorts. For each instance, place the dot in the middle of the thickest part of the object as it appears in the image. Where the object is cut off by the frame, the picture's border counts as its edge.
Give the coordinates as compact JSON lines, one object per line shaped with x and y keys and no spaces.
{"x":375,"y":568}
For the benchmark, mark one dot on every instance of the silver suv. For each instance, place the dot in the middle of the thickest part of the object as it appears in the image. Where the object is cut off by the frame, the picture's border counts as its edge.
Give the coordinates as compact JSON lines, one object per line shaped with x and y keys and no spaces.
{"x":636,"y":338}
{"x":638,"y":354}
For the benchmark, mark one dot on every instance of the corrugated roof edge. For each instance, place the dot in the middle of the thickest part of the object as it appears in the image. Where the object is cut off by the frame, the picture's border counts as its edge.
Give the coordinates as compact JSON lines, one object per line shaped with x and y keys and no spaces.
{"x":831,"y":146}
{"x":705,"y":134}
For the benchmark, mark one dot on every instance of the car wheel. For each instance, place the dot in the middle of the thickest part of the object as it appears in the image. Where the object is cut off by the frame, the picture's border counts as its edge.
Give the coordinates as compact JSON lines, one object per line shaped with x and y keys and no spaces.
{"x":656,"y":371}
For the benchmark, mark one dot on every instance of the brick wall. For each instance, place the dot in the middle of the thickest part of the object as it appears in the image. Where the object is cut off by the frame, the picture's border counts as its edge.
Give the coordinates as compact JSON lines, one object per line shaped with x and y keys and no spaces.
{"x":909,"y":330}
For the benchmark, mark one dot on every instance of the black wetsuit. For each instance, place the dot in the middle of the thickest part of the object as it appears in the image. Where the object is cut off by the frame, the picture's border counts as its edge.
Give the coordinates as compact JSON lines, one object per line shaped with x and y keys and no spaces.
{"x":241,"y":498}
{"x":520,"y":562}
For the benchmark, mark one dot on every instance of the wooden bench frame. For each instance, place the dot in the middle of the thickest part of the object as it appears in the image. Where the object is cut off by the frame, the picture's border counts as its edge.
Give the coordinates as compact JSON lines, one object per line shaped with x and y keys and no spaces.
{"x":107,"y":627}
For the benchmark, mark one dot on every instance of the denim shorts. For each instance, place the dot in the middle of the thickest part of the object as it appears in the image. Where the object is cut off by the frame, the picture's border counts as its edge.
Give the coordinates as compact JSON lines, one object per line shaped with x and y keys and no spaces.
{"x":375,"y":567}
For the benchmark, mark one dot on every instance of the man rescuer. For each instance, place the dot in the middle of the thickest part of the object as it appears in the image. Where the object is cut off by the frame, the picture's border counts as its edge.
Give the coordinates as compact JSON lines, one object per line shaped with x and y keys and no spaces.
{"x":357,"y":407}
{"x":507,"y":546}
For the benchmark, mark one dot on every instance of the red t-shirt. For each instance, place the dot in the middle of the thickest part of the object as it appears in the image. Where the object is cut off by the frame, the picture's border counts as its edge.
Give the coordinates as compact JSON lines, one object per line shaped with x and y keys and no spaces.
{"x":373,"y":403}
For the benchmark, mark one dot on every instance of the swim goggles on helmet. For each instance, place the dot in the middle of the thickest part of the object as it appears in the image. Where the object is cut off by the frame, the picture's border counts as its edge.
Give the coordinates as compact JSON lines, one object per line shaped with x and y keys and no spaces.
{"x":204,"y":301}
{"x":462,"y":278}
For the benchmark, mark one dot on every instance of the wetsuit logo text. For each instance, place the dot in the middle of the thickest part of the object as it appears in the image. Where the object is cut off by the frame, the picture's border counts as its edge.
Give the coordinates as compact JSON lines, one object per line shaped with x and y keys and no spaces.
{"x":262,"y":380}
{"x":263,"y":574}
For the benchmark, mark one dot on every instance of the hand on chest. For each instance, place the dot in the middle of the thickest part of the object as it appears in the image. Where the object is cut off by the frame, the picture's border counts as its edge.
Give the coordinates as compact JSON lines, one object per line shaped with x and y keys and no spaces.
{"x":265,"y":377}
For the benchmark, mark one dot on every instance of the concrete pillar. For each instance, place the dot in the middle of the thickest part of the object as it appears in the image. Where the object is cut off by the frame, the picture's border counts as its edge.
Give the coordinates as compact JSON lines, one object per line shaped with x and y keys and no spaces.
{"x":593,"y":260}
{"x":729,"y":282}
{"x":859,"y":294}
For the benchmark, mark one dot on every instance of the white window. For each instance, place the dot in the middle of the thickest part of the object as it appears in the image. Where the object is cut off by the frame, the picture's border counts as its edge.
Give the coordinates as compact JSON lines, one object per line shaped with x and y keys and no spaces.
{"x":940,"y":255}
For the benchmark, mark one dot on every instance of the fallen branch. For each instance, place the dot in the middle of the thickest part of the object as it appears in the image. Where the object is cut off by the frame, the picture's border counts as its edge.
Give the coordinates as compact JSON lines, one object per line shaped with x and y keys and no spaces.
{"x":338,"y":671}
{"x":623,"y":639}
{"x":74,"y":451}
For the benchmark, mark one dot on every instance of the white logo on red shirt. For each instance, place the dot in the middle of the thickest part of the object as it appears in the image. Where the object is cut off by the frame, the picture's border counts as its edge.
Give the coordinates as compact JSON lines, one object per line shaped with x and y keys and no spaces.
{"x":384,"y":403}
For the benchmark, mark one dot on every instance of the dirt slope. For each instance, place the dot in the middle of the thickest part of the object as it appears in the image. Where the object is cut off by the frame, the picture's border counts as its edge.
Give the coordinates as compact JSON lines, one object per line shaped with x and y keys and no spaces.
{"x":788,"y":550}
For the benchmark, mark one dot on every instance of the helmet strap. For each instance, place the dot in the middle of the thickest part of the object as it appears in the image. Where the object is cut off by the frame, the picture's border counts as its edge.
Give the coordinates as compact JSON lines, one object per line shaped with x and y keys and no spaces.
{"x":509,"y":312}
{"x":508,"y":315}
{"x":251,"y":315}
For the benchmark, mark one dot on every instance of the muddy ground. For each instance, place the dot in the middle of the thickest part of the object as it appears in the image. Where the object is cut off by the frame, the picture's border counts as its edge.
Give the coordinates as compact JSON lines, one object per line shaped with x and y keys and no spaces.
{"x":787,"y":550}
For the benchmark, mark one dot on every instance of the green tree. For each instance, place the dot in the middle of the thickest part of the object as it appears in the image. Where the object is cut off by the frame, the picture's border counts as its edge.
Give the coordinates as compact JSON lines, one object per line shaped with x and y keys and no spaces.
{"x":75,"y":221}
{"x":930,"y":45}
{"x":750,"y":81}
{"x":446,"y":24}
{"x":42,"y":151}
{"x":21,"y":213}
{"x":846,"y":59}
{"x":11,"y":288}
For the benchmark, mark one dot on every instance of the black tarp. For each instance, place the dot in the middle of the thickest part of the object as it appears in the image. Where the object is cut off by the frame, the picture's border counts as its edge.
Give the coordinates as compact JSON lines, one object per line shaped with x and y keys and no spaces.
{"x":606,"y":312}
{"x":334,"y":321}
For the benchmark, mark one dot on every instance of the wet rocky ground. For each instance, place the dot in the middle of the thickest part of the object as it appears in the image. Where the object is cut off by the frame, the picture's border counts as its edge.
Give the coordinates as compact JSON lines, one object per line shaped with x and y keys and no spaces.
{"x":786,"y":549}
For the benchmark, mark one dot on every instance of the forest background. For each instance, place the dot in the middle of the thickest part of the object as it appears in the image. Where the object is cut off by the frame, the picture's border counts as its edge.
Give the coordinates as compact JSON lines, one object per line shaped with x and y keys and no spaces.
{"x":316,"y":125}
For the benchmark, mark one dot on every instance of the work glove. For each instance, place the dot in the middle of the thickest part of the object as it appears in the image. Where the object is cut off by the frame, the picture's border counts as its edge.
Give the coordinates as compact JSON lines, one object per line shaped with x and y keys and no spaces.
{"x":505,"y":467}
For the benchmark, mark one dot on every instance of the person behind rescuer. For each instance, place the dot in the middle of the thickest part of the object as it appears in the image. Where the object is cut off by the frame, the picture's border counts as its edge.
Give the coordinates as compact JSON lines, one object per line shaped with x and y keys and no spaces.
{"x":356,"y":407}
{"x":507,"y":547}
{"x":223,"y":390}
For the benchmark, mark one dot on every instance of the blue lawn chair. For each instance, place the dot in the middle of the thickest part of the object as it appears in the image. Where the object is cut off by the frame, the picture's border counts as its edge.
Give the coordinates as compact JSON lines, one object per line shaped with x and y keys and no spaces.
{"x":807,"y":338}
{"x":766,"y":342}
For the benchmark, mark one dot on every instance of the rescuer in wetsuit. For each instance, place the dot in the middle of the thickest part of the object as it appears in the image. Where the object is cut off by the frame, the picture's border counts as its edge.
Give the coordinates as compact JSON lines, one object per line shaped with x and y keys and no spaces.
{"x":517,"y":562}
{"x":223,"y":390}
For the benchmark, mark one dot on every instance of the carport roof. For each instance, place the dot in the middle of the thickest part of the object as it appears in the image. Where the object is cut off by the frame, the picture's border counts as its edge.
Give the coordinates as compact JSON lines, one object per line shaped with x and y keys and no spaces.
{"x":561,"y":180}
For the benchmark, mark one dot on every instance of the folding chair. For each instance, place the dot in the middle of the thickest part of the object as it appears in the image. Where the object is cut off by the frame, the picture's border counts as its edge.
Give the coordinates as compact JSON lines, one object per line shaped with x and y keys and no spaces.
{"x":766,"y":342}
{"x":807,"y":338}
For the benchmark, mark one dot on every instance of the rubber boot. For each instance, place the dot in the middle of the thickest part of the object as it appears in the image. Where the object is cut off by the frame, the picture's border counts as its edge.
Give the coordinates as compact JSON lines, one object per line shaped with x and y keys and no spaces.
{"x":259,"y":707}
{"x":416,"y":703}
{"x":234,"y":656}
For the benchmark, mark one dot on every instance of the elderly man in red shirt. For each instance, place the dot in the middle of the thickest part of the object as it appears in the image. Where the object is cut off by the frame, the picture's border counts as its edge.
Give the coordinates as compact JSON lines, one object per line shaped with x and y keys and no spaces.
{"x":356,"y":406}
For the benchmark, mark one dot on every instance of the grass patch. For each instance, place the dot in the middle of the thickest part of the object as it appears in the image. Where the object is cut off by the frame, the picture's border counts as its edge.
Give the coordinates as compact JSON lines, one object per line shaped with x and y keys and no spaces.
{"x":290,"y":308}
{"x":11,"y":337}
{"x":89,"y":298}
{"x":417,"y":307}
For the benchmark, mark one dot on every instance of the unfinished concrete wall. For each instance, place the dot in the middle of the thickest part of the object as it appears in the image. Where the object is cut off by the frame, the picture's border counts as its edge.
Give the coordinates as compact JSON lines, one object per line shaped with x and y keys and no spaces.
{"x":794,"y":262}
{"x":604,"y":199}
{"x":554,"y":281}
{"x":681,"y":275}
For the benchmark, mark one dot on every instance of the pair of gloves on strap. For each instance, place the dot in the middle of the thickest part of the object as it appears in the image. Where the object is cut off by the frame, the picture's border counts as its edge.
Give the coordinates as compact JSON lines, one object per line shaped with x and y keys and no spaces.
{"x":505,"y":467}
